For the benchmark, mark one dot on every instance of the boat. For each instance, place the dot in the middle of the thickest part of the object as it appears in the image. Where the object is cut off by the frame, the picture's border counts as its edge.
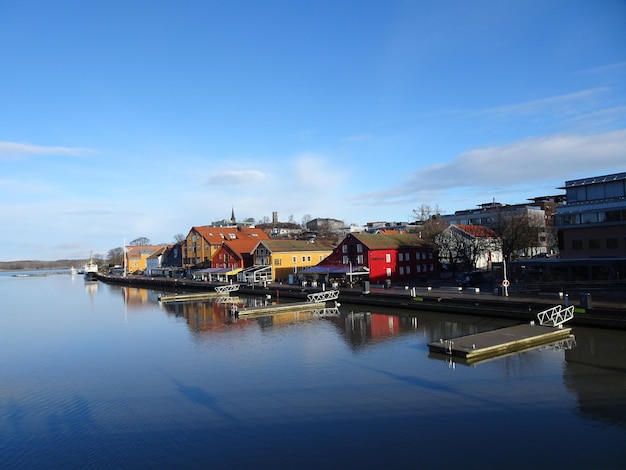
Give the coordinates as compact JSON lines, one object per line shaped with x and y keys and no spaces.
{"x":91,"y":270}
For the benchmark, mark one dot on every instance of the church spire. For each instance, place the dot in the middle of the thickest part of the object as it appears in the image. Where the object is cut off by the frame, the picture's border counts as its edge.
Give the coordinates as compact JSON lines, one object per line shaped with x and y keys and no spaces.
{"x":232,"y":216}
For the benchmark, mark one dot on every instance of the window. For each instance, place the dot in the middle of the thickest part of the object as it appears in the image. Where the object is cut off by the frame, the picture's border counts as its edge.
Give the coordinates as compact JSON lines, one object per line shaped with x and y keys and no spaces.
{"x":611,"y":243}
{"x":594,"y":244}
{"x":359,"y":259}
{"x":344,"y":248}
{"x":388,"y":272}
{"x":308,"y":258}
{"x":589,"y":217}
{"x":294,"y":259}
{"x":577,"y":244}
{"x":304,"y":259}
{"x":401,"y":270}
{"x":388,"y":258}
{"x":359,"y":248}
{"x":277,"y":262}
{"x":400,"y":257}
{"x":345,"y":260}
{"x":408,"y":269}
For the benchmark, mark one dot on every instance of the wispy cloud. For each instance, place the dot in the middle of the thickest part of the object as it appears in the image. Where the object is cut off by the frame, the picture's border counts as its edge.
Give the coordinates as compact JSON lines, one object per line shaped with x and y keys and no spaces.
{"x":356,"y":138}
{"x":601,"y":69}
{"x":236,"y":177}
{"x":524,"y":162}
{"x":567,"y":104}
{"x":17,"y":150}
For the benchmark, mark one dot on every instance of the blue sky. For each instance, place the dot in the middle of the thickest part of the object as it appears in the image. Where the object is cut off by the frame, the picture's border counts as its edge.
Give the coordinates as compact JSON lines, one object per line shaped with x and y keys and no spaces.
{"x":126,"y":119}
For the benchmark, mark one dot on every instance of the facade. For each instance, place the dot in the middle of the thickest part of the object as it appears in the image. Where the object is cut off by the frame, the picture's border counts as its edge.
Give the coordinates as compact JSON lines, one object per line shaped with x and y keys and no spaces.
{"x":388,"y":257}
{"x":203,"y":242}
{"x":154,"y":261}
{"x":592,"y":223}
{"x":235,"y":254}
{"x":287,"y":257}
{"x":173,"y":256}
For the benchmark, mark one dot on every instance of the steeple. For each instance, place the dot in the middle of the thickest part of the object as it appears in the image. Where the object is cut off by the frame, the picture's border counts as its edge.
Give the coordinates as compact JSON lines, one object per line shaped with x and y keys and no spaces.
{"x":232,"y":216}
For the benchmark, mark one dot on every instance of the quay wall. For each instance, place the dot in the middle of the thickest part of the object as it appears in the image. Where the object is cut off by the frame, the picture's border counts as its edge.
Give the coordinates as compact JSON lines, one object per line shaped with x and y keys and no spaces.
{"x":602,"y":314}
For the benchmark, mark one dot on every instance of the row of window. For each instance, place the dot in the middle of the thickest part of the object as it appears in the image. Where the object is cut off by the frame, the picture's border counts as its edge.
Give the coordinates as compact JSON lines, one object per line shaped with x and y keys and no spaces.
{"x":420,"y":268}
{"x":407,"y":256}
{"x":594,"y":192}
{"x":294,"y":260}
{"x":595,"y":217}
{"x":610,"y":243}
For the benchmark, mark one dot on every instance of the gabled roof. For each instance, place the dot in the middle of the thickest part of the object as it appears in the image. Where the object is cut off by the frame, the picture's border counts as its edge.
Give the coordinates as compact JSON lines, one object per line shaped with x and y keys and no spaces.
{"x":135,"y":251}
{"x":216,"y":235}
{"x":476,"y":231}
{"x":381,"y":241}
{"x":282,"y":246}
{"x":242,"y":246}
{"x":158,"y":252}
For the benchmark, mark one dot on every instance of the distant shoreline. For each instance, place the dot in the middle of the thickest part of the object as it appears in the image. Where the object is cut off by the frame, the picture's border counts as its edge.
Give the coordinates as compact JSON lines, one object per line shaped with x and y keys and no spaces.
{"x":30,"y":265}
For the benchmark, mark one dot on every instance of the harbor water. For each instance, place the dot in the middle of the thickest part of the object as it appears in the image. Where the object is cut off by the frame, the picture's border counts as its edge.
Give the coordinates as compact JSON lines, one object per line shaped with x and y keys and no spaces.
{"x":95,"y":375}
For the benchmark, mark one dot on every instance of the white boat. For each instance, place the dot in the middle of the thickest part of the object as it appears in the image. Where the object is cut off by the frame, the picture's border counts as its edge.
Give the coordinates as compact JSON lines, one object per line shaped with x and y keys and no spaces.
{"x":91,"y":270}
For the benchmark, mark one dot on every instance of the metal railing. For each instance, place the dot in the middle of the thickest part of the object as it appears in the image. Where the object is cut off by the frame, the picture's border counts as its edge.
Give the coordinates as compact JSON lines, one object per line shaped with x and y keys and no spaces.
{"x":556,"y":316}
{"x":323,"y":296}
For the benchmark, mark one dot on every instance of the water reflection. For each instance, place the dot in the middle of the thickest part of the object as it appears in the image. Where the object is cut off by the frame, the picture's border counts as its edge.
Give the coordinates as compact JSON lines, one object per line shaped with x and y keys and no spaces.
{"x":596,"y":372}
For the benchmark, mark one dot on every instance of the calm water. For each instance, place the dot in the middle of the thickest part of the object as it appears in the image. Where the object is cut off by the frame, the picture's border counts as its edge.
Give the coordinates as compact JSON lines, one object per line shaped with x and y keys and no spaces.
{"x":99,"y":376}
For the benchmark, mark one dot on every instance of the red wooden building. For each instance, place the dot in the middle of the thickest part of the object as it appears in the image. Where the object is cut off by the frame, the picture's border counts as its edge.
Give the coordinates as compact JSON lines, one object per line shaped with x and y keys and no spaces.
{"x":388,"y":257}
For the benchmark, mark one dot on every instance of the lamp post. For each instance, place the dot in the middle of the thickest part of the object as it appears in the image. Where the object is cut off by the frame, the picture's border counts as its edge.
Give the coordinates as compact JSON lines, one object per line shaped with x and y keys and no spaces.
{"x":350,"y":273}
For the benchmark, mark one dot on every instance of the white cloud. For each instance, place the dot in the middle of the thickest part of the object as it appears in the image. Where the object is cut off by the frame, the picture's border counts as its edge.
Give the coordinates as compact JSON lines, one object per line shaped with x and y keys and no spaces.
{"x":20,"y":150}
{"x":529,"y":163}
{"x":316,"y":172}
{"x":236,"y":177}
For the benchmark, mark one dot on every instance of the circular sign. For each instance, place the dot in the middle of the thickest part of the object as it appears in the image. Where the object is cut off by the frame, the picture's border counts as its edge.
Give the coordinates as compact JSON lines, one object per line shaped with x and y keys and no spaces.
{"x":506,"y":283}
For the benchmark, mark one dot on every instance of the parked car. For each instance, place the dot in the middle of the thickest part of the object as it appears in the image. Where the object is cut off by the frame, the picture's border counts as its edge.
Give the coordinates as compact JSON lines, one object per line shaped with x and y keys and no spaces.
{"x":471,"y":279}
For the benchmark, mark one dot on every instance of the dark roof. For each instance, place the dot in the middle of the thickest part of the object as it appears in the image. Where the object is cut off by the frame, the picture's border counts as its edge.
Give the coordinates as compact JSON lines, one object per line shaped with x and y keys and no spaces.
{"x":595,"y":180}
{"x":381,"y":241}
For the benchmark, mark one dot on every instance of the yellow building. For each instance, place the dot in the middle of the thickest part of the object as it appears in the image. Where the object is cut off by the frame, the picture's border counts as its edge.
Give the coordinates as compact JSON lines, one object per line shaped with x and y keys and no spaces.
{"x":287,"y":257}
{"x":137,"y":256}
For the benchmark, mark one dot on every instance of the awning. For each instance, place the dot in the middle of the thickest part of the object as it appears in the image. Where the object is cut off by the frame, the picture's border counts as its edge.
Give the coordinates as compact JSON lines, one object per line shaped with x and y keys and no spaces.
{"x":336,"y":269}
{"x":226,"y":271}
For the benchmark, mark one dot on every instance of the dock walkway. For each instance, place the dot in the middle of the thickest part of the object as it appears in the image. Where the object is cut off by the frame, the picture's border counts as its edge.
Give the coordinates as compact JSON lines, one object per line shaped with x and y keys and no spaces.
{"x":499,"y":342}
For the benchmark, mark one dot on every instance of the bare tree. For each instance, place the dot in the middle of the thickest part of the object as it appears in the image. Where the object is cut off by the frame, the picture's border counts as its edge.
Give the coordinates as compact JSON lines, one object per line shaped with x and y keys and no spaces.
{"x":430,"y":221}
{"x":140,"y":241}
{"x":519,"y":232}
{"x":179,"y":238}
{"x":460,"y":249}
{"x":306,"y":218}
{"x":115,"y":257}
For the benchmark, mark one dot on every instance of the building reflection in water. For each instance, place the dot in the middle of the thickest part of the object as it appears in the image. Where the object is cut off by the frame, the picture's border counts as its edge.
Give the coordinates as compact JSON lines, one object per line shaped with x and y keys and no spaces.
{"x":363,"y":328}
{"x":595,"y":370}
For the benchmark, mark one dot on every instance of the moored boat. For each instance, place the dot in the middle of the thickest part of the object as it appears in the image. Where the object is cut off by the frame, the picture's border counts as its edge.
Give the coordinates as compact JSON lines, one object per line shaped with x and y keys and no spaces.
{"x":91,"y":270}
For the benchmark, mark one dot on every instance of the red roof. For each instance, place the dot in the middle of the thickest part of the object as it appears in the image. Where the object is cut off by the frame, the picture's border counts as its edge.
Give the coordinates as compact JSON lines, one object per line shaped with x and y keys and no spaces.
{"x":477,"y":231}
{"x":217,"y":235}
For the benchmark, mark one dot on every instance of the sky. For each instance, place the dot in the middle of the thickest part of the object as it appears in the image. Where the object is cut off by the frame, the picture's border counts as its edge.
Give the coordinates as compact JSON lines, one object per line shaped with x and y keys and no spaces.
{"x":134,"y":118}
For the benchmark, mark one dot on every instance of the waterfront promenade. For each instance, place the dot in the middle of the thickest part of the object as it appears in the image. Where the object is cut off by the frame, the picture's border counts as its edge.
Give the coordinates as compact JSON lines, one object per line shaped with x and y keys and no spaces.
{"x":600,"y":312}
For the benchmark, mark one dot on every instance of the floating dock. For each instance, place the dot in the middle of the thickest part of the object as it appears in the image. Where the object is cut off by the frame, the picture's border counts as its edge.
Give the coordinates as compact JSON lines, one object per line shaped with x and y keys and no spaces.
{"x":499,"y":342}
{"x":185,"y":297}
{"x":278,"y":308}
